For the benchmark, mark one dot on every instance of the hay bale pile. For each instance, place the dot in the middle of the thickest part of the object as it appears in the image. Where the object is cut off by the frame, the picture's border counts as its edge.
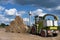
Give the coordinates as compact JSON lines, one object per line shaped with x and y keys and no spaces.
{"x":17,"y":26}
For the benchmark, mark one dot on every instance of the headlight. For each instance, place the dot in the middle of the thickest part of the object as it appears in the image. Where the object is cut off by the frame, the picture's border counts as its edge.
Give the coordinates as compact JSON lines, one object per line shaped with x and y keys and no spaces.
{"x":49,"y":31}
{"x":57,"y":31}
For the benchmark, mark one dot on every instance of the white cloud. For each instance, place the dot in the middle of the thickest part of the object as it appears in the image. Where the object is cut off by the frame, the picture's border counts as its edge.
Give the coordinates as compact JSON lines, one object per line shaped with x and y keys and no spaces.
{"x":1,"y":16}
{"x":38,"y":12}
{"x":19,"y":13}
{"x":7,"y":20}
{"x":58,"y":8}
{"x":11,"y":1}
{"x":4,"y":2}
{"x":12,"y":11}
{"x":42,"y":14}
{"x":11,"y":19}
{"x":49,"y":9}
{"x":55,"y":8}
{"x":4,"y":19}
{"x":26,"y":19}
{"x":2,"y":8}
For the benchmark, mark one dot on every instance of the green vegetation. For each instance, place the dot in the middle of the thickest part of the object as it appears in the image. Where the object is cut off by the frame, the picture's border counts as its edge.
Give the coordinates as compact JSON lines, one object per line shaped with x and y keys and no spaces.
{"x":2,"y":25}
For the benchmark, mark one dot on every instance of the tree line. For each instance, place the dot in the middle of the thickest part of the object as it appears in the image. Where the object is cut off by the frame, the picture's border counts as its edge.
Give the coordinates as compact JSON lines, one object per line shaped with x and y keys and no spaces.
{"x":3,"y":25}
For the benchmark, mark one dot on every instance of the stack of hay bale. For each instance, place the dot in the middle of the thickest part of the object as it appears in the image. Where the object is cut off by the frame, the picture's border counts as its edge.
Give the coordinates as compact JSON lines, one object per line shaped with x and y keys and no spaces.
{"x":17,"y":26}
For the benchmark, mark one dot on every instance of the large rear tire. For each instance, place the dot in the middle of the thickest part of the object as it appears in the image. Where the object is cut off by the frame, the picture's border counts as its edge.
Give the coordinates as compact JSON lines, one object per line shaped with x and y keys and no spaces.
{"x":33,"y":31}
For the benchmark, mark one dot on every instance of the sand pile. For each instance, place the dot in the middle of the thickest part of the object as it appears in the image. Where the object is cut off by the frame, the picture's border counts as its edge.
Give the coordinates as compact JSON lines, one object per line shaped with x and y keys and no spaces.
{"x":17,"y":26}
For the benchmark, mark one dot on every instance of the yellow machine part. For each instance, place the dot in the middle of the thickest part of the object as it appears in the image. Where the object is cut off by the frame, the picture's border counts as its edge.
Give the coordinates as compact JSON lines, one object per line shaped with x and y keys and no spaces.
{"x":53,"y":27}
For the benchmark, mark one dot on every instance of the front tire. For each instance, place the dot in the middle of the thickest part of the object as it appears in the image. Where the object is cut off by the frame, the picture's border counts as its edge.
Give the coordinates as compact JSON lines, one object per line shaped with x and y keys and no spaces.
{"x":43,"y":33}
{"x":55,"y":34}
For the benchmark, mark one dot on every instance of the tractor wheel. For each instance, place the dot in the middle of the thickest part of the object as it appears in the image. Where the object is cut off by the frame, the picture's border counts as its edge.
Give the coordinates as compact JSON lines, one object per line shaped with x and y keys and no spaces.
{"x":55,"y":34}
{"x":33,"y":30}
{"x":43,"y":34}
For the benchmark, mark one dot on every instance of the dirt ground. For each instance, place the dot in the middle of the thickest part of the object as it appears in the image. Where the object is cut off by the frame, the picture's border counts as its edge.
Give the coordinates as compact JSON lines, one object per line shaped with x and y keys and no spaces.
{"x":19,"y":36}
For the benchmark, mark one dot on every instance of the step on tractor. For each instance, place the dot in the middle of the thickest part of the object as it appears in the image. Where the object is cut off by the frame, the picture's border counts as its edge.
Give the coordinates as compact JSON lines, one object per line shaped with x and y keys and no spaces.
{"x":45,"y":27}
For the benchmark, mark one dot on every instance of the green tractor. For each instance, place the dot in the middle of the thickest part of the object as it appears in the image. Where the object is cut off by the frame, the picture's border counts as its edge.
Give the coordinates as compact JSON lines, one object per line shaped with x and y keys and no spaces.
{"x":45,"y":27}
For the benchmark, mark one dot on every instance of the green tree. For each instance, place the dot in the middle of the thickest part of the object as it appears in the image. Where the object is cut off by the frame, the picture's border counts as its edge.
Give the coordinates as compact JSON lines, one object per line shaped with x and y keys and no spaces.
{"x":2,"y":25}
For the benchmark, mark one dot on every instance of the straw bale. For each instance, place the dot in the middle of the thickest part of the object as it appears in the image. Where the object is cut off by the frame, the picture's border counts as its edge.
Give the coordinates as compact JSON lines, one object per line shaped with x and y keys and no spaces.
{"x":17,"y":26}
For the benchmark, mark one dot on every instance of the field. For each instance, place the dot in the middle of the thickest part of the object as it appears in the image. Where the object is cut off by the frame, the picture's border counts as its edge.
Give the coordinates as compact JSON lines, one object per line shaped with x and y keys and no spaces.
{"x":19,"y":36}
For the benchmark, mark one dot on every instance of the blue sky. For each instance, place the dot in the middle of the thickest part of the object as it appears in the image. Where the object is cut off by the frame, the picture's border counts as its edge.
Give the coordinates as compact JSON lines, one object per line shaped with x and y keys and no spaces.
{"x":9,"y":9}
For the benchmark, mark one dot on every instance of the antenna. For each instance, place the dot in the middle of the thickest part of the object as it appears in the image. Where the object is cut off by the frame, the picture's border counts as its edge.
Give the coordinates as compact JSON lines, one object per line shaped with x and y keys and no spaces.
{"x":29,"y":18}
